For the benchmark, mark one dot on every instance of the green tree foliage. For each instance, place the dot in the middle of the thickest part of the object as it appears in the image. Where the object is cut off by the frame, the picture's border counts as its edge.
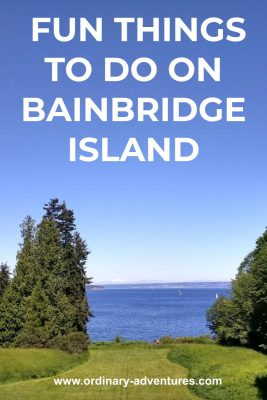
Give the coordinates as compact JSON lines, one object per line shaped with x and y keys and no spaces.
{"x":26,"y":268}
{"x":259,"y":272}
{"x":242,"y":319}
{"x":46,"y":299}
{"x":4,"y":277}
{"x":13,"y":302}
{"x":73,"y":258}
{"x":36,"y":330}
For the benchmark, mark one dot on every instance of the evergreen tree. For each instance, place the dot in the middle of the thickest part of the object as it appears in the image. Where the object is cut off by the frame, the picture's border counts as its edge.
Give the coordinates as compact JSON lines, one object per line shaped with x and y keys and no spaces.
{"x":63,"y":217}
{"x":50,"y":259}
{"x":74,"y":256}
{"x":26,"y":270}
{"x":12,"y":313}
{"x":45,"y":303}
{"x":13,"y":303}
{"x":81,"y":253}
{"x":36,"y":331}
{"x":4,"y":278}
{"x":48,"y":251}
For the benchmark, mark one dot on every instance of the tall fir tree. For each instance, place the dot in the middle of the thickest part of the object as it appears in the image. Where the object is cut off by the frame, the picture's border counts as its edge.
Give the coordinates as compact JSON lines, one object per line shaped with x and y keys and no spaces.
{"x":74,"y":256}
{"x":36,"y":331}
{"x":45,"y":304}
{"x":13,"y":303}
{"x":50,"y":259}
{"x":4,"y":277}
{"x":26,"y":270}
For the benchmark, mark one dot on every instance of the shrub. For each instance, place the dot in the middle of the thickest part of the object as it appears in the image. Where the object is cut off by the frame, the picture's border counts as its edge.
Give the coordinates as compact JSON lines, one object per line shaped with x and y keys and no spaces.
{"x":203,"y":339}
{"x":167,"y":340}
{"x":74,"y":342}
{"x":34,"y":337}
{"x":186,"y":339}
{"x":119,"y":339}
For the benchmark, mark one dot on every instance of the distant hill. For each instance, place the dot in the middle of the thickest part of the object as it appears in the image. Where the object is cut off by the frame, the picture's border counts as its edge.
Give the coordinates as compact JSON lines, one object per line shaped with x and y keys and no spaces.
{"x":94,"y":287}
{"x":172,"y":285}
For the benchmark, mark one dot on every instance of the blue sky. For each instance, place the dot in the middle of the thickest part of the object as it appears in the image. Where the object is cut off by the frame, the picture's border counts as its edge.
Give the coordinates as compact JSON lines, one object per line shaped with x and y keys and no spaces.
{"x":142,"y":221}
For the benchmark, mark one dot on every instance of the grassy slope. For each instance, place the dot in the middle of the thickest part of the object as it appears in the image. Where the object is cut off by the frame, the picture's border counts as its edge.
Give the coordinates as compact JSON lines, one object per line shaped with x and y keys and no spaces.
{"x":124,"y":361}
{"x":238,"y":368}
{"x":20,"y":364}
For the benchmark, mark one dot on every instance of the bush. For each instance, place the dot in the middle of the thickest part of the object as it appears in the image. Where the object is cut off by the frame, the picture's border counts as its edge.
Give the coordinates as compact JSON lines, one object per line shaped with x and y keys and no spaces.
{"x":74,"y":342}
{"x":166,"y":340}
{"x":186,"y":339}
{"x":32,"y":337}
{"x":119,"y":339}
{"x":203,"y":339}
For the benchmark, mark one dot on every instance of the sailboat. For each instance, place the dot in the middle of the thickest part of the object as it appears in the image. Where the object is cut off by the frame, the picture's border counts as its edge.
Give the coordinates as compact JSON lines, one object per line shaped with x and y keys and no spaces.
{"x":216,"y":295}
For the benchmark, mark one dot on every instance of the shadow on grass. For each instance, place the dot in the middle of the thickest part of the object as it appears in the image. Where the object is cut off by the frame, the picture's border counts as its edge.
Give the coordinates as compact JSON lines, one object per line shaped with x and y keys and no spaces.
{"x":261,"y":385}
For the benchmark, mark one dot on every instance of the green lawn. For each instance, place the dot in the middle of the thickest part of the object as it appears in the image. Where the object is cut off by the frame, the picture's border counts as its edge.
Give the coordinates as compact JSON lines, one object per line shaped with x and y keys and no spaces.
{"x":237,"y":367}
{"x":243,"y":371}
{"x":127,"y":361}
{"x":20,"y":364}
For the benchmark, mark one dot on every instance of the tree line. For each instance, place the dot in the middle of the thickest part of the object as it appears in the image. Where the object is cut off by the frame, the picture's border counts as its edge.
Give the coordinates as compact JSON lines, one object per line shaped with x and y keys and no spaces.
{"x":44,"y":304}
{"x":241,"y":319}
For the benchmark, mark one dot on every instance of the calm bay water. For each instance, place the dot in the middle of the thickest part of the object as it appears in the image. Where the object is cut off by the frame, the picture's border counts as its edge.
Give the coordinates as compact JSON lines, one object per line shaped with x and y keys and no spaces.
{"x":147,"y":314}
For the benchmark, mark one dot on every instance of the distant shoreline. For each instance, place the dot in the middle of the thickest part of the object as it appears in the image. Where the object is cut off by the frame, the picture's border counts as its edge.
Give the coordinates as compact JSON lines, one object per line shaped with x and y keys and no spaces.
{"x":171,"y":285}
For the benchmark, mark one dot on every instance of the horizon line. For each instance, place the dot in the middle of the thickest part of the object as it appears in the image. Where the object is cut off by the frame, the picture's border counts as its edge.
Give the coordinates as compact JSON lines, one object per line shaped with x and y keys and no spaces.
{"x":157,"y":282}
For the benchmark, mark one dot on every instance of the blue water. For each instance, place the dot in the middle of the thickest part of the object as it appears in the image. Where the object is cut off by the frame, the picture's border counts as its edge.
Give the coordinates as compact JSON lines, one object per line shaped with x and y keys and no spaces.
{"x":147,"y":314}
